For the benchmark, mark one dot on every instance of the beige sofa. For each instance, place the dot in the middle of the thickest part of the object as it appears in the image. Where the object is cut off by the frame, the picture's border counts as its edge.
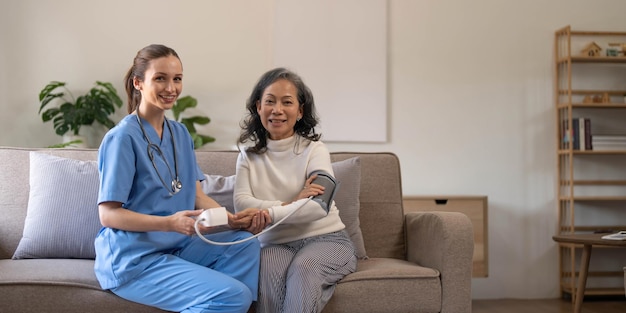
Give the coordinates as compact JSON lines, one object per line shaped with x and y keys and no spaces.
{"x":417,"y":262}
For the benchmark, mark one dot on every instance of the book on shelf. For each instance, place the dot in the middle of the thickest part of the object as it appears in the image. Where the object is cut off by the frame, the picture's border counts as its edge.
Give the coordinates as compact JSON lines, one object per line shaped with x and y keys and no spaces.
{"x":609,"y":147}
{"x":588,"y":141}
{"x":584,"y":137}
{"x":576,"y":134}
{"x":608,"y":142}
{"x":579,"y":134}
{"x":621,"y":235}
{"x":609,"y":138}
{"x":567,"y":133}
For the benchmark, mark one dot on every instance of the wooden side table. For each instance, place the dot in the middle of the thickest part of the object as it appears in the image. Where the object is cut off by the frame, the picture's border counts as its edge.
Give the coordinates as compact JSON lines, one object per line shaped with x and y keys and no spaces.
{"x":588,"y":241}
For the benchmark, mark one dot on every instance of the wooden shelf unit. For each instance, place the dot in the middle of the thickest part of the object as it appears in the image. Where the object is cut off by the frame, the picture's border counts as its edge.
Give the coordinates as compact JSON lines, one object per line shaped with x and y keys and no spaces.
{"x":475,"y":207}
{"x":572,"y":83}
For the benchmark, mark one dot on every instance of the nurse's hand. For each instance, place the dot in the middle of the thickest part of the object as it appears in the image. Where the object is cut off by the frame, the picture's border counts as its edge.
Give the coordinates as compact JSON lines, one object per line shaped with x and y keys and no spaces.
{"x":183,"y":222}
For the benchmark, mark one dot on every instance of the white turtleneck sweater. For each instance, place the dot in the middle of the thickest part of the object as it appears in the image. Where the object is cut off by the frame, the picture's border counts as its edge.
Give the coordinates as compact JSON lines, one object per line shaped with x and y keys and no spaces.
{"x":267,"y":180}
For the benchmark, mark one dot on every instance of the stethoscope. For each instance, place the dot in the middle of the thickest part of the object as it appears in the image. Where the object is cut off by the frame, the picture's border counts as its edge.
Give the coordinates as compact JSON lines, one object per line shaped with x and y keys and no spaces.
{"x":176,"y":185}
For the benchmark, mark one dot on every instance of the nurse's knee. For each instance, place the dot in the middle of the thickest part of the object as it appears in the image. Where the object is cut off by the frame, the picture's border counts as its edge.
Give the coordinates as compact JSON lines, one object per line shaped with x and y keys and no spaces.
{"x":236,"y":297}
{"x":240,"y":298}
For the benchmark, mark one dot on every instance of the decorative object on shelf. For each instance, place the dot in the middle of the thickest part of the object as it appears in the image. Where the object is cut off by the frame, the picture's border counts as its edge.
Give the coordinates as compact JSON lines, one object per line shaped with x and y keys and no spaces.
{"x":183,"y":104}
{"x":95,"y":106}
{"x":597,"y":98}
{"x":612,"y":52}
{"x":621,"y":50}
{"x":592,"y":50}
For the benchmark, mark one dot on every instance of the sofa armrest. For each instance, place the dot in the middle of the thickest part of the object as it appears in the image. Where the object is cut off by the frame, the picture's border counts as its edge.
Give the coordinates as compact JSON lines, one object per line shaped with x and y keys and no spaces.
{"x":444,"y":241}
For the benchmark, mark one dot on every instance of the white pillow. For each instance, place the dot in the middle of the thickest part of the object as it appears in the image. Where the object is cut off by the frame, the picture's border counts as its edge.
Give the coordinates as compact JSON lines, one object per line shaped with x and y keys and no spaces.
{"x":220,"y":189}
{"x":62,"y":217}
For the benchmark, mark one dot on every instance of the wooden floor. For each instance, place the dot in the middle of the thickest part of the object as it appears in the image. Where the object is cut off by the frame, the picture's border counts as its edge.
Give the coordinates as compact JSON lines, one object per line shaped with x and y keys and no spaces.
{"x":611,"y":305}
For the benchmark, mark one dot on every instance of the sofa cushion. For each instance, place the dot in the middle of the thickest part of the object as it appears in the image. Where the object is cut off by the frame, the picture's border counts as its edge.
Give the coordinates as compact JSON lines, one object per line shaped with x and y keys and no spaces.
{"x":347,"y":172}
{"x":220,"y":188}
{"x":62,"y":215}
{"x":389,"y":279}
{"x":58,"y":285}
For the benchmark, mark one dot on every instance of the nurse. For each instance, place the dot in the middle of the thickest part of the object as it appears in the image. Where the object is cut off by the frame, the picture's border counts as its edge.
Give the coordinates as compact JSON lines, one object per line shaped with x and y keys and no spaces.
{"x":149,"y":197}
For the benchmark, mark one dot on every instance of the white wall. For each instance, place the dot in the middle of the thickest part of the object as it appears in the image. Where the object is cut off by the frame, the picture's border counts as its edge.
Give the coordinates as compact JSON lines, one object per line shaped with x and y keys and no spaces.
{"x":469,"y":93}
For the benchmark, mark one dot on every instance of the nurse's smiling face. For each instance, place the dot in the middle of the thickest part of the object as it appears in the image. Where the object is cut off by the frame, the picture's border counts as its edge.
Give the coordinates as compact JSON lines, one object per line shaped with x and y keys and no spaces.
{"x":279,"y":109}
{"x":163,"y":83}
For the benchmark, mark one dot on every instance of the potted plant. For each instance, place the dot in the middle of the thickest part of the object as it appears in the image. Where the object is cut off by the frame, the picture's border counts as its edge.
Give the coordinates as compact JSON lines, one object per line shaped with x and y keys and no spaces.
{"x":95,"y":106}
{"x":183,"y":104}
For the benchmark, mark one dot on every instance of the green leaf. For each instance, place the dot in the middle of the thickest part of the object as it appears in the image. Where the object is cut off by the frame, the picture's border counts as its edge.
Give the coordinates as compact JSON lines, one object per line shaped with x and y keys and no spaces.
{"x":49,"y":114}
{"x":206,"y":139}
{"x":110,"y":93}
{"x":183,"y":104}
{"x":190,"y":127}
{"x":197,"y":141}
{"x":49,"y":88}
{"x":50,"y":97}
{"x":66,"y":144}
{"x":201,"y":120}
{"x":60,"y":126}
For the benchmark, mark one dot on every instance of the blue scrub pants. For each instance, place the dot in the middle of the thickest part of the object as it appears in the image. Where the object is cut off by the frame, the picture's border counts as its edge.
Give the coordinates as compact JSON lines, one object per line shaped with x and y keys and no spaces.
{"x":200,"y":277}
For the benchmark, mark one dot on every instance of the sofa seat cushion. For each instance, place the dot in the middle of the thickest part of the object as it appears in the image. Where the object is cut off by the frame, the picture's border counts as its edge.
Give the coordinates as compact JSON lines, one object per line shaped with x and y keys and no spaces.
{"x":389,"y":279}
{"x":58,"y":285}
{"x":69,"y":272}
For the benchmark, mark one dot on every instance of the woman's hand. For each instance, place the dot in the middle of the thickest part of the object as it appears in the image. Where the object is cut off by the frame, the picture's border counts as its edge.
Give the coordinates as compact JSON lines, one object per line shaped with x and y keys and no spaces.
{"x":310,"y":189}
{"x":250,"y":219}
{"x":259,"y":221}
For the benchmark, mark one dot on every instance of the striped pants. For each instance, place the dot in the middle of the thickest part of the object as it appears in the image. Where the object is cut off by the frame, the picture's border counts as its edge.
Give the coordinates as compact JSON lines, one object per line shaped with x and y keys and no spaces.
{"x":300,"y":276}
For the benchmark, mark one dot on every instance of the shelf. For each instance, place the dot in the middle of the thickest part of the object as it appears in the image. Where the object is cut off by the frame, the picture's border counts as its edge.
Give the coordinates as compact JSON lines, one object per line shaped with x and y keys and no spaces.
{"x":579,"y":246}
{"x":585,"y":59}
{"x":590,"y":33}
{"x":591,"y":92}
{"x":599,"y":152}
{"x":591,"y":229}
{"x":610,"y":105}
{"x":565,"y":182}
{"x":594,"y":198}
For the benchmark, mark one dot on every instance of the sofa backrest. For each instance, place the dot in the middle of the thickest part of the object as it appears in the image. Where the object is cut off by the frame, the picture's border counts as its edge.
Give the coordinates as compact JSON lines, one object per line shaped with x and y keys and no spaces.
{"x":381,"y":213}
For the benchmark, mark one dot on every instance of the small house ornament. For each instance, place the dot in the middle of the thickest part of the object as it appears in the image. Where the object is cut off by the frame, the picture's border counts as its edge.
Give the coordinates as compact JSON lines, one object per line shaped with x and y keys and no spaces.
{"x":592,"y":50}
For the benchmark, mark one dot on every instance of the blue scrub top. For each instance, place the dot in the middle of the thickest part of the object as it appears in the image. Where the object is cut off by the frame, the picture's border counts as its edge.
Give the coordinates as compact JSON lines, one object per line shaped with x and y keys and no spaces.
{"x":127,"y":175}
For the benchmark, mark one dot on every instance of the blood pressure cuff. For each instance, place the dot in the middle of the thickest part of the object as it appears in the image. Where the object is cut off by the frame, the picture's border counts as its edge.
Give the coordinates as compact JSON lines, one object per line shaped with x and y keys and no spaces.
{"x":331,"y":185}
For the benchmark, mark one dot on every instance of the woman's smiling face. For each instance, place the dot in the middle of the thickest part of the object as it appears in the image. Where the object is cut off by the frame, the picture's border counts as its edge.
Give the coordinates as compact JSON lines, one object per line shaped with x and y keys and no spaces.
{"x":279,"y":109}
{"x":163,"y":83}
